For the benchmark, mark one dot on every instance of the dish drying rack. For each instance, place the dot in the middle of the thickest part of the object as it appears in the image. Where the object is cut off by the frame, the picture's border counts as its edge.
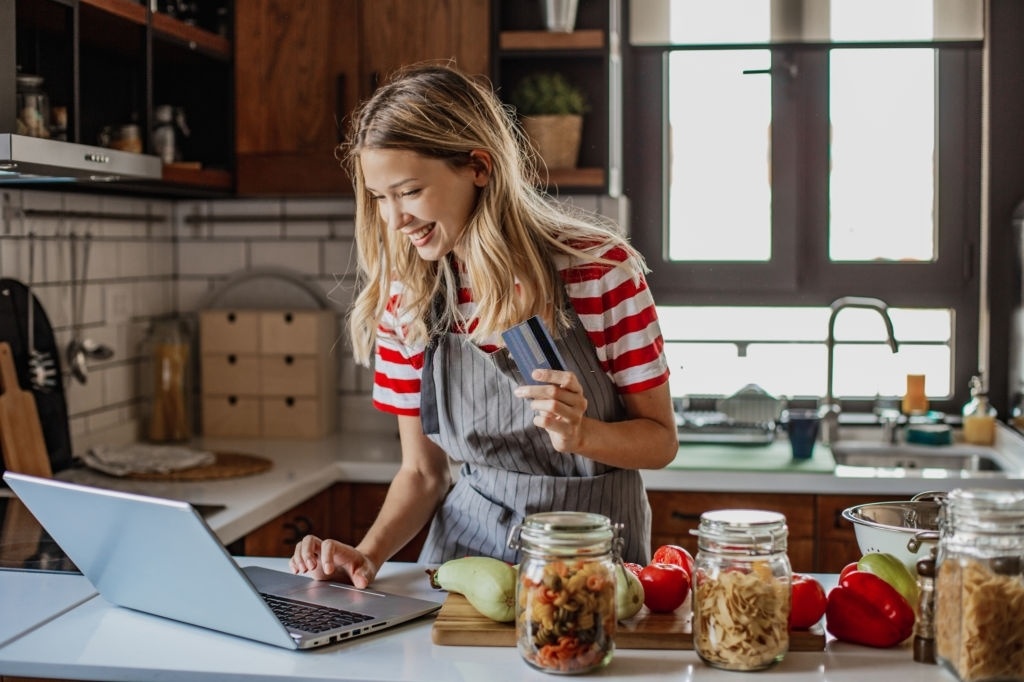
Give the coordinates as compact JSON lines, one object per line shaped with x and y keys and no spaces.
{"x":748,"y":417}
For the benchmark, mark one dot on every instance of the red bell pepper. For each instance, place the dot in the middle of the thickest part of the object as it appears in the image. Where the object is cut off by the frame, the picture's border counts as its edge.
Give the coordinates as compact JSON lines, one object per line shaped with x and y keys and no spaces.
{"x":864,"y":609}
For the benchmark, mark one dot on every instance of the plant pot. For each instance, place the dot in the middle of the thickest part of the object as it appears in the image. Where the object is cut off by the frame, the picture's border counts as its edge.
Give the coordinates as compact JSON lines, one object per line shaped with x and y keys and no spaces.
{"x":560,"y":15}
{"x":556,"y":138}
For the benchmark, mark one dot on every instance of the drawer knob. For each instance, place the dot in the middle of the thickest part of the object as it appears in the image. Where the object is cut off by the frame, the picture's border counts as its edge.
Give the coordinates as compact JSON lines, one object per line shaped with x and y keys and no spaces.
{"x":288,"y":360}
{"x":683,"y":516}
{"x":232,"y":317}
{"x":232,"y":359}
{"x":232,"y":399}
{"x":289,"y":318}
{"x":289,"y":401}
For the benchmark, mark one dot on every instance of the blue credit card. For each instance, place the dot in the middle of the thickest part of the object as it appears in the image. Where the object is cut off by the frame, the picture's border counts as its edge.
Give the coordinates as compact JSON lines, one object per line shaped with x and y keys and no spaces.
{"x":532,"y":347}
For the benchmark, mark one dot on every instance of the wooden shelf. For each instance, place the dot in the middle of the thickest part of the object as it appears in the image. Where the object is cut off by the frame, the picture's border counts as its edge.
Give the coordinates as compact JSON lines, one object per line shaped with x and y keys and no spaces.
{"x":130,"y":11}
{"x":192,"y":36}
{"x":207,"y":178}
{"x":576,"y":177}
{"x":592,"y":39}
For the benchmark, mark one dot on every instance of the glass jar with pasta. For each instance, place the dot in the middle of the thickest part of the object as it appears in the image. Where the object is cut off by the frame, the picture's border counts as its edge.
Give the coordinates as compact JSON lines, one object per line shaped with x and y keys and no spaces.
{"x":979,"y":585}
{"x":741,"y":589}
{"x":565,"y":594}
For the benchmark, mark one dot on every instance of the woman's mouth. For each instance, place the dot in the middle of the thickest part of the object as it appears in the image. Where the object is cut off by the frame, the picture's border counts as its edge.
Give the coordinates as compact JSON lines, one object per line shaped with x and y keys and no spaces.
{"x":419,"y":236}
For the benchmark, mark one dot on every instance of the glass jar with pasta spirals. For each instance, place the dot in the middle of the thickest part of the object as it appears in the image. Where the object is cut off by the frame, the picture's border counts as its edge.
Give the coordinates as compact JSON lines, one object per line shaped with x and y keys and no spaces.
{"x":565,"y":595}
{"x":742,"y":586}
{"x":979,"y":585}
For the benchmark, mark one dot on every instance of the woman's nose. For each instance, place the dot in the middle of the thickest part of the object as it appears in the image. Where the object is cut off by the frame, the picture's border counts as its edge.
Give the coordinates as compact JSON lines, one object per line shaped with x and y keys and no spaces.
{"x":396,"y":218}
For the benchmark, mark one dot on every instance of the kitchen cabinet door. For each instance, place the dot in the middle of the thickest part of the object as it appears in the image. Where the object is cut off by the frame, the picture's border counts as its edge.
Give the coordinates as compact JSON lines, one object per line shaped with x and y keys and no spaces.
{"x":356,"y":507}
{"x":394,"y":33}
{"x":278,"y":538}
{"x":675,"y":514}
{"x":836,"y":541}
{"x":294,"y":66}
{"x":301,"y":68}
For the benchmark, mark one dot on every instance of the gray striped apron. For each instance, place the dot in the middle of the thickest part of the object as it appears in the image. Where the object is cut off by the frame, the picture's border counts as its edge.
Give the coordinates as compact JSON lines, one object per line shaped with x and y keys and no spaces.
{"x":508,"y":467}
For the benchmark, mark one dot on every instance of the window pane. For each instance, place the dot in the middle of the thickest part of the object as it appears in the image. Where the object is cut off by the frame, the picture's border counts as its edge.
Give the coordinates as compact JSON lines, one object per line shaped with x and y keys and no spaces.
{"x":882,"y":180}
{"x":719,"y":192}
{"x":715,"y":351}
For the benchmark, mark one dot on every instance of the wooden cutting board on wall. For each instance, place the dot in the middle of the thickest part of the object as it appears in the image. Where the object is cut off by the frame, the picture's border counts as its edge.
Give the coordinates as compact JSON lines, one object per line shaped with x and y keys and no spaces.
{"x":21,"y":435}
{"x":459,"y":624}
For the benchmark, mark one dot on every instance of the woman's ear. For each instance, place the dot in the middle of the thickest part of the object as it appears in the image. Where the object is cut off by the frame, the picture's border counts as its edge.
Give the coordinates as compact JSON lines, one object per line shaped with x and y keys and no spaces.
{"x":480,"y":162}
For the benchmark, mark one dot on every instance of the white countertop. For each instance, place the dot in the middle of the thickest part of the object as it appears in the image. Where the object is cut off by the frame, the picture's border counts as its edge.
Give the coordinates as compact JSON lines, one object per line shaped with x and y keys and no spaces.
{"x":301,"y":469}
{"x":96,"y":640}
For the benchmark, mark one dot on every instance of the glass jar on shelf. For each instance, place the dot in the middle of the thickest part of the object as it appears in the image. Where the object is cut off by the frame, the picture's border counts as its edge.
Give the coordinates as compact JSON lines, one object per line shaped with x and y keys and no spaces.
{"x":169,"y":347}
{"x":33,"y":106}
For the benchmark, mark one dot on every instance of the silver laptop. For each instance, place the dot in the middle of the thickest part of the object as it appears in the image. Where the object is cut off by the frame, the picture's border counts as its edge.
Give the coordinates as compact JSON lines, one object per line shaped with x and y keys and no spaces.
{"x":160,"y":556}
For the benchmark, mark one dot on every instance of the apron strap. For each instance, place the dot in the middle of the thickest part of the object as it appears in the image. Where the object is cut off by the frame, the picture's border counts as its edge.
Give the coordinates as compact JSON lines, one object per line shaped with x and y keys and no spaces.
{"x":428,"y":394}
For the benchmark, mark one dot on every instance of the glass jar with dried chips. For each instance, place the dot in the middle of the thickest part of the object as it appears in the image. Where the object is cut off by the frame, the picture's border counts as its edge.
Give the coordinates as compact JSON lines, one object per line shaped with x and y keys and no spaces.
{"x":741,"y":589}
{"x":565,"y":596}
{"x":979,"y":585}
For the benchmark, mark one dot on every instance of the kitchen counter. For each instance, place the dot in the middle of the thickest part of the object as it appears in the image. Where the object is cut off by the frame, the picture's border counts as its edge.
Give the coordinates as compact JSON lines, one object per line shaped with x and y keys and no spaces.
{"x":95,"y":640}
{"x":301,"y":469}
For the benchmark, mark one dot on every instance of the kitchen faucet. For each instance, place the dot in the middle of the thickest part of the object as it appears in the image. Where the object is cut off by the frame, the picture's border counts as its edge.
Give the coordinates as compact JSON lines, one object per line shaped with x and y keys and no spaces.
{"x":829,"y":408}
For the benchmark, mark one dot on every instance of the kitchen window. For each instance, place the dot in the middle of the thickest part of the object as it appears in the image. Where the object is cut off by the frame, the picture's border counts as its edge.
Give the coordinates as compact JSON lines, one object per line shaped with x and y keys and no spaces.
{"x":768,"y":178}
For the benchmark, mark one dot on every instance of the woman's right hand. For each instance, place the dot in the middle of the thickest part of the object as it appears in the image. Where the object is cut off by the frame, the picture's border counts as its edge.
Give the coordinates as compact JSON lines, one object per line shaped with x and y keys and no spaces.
{"x":332,"y":560}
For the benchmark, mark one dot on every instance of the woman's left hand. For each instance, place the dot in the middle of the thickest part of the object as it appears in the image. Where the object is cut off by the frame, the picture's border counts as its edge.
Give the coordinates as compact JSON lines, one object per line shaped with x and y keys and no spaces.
{"x":559,"y":405}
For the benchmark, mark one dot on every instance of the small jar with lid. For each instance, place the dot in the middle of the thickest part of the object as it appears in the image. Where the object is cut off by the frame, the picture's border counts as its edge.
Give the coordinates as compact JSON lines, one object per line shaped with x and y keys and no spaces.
{"x":565,"y":594}
{"x":33,"y":106}
{"x":979,"y":585}
{"x":742,"y":586}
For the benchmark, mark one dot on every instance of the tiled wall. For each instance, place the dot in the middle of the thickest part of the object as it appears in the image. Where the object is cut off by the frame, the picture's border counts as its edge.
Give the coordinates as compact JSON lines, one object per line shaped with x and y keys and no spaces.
{"x":152,"y":259}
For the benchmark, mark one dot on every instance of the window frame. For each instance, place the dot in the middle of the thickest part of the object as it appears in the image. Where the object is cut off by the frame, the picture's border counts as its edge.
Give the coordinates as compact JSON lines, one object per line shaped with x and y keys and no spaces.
{"x":799,"y":272}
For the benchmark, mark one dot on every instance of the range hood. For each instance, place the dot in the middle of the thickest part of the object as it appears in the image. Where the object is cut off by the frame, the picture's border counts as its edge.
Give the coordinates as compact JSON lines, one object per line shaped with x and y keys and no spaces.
{"x":26,"y":159}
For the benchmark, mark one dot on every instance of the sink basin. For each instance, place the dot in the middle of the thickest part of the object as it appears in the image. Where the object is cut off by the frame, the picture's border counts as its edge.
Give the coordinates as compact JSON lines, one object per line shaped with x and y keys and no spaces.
{"x":950,"y":458}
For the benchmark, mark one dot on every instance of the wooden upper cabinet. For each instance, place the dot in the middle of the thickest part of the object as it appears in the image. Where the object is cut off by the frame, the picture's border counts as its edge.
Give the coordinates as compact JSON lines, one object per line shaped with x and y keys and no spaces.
{"x":292,"y":63}
{"x":302,"y":67}
{"x":398,"y":32}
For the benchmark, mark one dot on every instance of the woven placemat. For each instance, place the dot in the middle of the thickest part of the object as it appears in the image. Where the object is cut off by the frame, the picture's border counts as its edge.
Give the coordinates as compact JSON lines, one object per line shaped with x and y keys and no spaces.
{"x":225,"y":465}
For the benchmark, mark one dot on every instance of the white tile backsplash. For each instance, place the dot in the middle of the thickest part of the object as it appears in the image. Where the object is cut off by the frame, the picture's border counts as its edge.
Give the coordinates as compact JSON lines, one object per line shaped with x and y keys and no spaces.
{"x":166,"y":262}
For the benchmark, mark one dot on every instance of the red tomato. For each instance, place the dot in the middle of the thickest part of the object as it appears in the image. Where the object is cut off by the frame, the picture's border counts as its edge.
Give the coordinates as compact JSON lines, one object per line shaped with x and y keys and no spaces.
{"x":674,"y":554}
{"x":847,"y":568}
{"x":633,"y":568}
{"x":809,"y":602}
{"x":666,"y":586}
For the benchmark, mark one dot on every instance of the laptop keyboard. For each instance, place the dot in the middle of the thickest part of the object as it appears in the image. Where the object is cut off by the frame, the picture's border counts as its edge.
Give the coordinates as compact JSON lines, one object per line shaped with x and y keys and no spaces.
{"x":311,"y":617}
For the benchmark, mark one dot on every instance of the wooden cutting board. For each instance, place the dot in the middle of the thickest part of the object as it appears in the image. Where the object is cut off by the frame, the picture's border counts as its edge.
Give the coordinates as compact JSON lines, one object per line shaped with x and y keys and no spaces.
{"x":459,"y":624}
{"x":21,"y":435}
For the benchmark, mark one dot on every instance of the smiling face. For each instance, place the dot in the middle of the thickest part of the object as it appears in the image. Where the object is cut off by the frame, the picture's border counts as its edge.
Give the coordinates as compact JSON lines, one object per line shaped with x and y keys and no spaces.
{"x":424,"y":199}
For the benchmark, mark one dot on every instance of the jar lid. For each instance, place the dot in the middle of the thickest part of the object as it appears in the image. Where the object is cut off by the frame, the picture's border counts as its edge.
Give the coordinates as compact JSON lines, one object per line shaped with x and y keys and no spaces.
{"x":564,"y":530}
{"x":742,"y":531}
{"x":29,"y":79}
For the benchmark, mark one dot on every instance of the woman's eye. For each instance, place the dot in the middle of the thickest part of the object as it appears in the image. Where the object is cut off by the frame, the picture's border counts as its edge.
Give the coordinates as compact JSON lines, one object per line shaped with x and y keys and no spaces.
{"x":410,"y":193}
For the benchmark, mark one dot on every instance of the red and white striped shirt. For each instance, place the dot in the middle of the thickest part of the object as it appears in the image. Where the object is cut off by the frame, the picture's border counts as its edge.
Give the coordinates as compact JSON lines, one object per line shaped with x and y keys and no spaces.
{"x":617,"y":312}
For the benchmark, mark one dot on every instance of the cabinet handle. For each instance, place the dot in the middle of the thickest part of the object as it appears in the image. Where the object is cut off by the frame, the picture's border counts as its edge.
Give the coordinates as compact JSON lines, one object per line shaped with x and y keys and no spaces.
{"x":839,"y":521}
{"x":300,"y":527}
{"x":231,"y":318}
{"x":288,"y":360}
{"x":374,"y":81}
{"x":289,"y":401}
{"x":232,"y":399}
{"x":288,"y":318}
{"x":683,"y":516}
{"x":232,"y":359}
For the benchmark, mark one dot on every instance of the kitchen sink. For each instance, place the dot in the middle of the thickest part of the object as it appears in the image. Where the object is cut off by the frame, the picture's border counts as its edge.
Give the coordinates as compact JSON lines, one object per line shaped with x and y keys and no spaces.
{"x":953,"y":459}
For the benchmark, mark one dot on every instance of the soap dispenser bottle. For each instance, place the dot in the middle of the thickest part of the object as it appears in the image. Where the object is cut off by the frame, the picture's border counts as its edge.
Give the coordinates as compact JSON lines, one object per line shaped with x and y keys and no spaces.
{"x":979,"y":417}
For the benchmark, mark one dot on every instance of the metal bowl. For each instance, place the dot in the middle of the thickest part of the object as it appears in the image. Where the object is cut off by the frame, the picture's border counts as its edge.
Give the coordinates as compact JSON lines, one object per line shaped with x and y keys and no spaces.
{"x":891,"y":526}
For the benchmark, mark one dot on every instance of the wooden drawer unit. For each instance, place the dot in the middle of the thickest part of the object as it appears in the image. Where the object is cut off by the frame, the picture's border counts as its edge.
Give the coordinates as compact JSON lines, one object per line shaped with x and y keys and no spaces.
{"x":837,"y":542}
{"x":675,"y":514}
{"x":268,"y":373}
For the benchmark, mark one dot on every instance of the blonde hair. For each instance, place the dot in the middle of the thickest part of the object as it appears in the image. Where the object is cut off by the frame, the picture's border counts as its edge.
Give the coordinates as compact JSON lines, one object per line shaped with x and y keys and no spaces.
{"x":511,"y":236}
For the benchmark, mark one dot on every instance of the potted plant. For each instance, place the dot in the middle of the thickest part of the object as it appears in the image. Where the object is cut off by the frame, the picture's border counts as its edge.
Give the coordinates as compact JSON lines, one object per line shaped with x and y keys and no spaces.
{"x":551,"y":109}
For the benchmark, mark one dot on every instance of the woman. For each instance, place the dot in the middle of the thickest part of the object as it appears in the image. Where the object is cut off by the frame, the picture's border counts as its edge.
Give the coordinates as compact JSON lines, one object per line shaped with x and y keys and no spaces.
{"x":456,"y":245}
